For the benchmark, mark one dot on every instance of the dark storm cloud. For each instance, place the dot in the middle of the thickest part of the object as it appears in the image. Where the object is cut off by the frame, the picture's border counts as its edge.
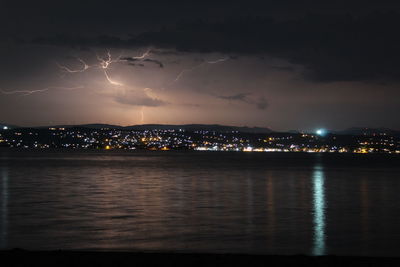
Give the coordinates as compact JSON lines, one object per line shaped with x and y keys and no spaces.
{"x":283,"y":68}
{"x":131,"y":61}
{"x":136,"y":64}
{"x":164,"y":52}
{"x":260,"y":102}
{"x":331,"y":47}
{"x":240,"y":97}
{"x":159,"y":63}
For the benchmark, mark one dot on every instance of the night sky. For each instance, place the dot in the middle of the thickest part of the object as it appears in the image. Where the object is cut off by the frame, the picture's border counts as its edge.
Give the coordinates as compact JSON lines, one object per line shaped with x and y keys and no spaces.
{"x":279,"y":64}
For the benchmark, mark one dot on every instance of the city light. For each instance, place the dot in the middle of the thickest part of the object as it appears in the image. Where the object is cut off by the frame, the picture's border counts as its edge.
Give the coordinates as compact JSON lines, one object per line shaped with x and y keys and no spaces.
{"x":5,"y":128}
{"x":321,"y":132}
{"x":201,"y":140}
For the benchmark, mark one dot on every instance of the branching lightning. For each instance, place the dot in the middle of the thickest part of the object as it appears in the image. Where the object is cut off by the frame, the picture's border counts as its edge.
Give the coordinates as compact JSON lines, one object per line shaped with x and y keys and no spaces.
{"x":104,"y":63}
{"x":179,"y":76}
{"x":65,"y":68}
{"x":112,"y":81}
{"x":144,"y":55}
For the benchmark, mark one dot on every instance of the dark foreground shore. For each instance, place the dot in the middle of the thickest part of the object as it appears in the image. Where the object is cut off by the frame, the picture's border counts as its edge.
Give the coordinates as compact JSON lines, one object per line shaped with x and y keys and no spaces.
{"x":84,"y":258}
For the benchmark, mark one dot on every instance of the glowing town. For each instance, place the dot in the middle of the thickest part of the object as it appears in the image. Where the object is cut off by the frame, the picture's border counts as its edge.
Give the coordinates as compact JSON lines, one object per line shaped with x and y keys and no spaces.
{"x":218,"y":139}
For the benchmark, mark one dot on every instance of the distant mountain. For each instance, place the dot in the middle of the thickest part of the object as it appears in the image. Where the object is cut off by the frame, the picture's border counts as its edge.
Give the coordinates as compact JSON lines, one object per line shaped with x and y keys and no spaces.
{"x":187,"y":127}
{"x":90,"y":126}
{"x":98,"y":126}
{"x":200,"y":127}
{"x":368,"y":131}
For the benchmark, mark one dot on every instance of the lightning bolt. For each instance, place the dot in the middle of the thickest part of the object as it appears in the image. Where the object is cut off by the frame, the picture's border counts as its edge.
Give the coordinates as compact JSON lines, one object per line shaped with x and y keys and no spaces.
{"x":30,"y":92}
{"x":23,"y":92}
{"x":142,"y":115}
{"x":66,"y":69}
{"x":179,"y":76}
{"x":104,"y":63}
{"x":144,"y":55}
{"x":112,"y":81}
{"x":218,"y":60}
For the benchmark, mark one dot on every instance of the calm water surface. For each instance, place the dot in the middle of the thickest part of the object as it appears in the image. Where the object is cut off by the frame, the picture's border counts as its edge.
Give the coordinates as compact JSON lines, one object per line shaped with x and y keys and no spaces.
{"x":268,"y":203}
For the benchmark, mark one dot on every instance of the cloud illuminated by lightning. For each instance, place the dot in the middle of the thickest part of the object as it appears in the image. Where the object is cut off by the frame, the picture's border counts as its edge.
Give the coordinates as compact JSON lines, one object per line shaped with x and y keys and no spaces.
{"x":104,"y":63}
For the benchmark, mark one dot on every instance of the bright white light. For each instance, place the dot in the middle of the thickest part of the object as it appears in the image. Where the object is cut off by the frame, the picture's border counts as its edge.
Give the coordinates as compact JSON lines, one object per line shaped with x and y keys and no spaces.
{"x":5,"y":128}
{"x":321,"y":132}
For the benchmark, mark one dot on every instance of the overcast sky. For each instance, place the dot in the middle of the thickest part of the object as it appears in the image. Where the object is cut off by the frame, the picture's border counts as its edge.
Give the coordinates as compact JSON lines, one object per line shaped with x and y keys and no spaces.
{"x":288,"y":65}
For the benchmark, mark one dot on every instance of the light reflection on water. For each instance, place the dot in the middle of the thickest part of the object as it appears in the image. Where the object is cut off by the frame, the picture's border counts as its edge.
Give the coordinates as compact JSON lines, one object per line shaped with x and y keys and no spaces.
{"x":214,"y":202}
{"x":4,"y":208}
{"x":319,"y":205}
